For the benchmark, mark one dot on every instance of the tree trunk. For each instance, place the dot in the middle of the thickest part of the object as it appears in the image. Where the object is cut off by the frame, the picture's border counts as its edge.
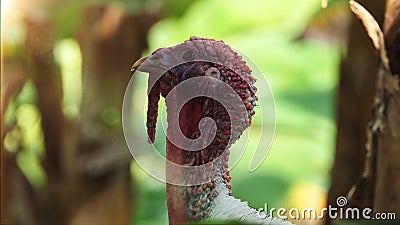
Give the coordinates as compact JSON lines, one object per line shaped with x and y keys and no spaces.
{"x":387,"y":192}
{"x":358,"y":74}
{"x":380,"y":183}
{"x":110,"y":41}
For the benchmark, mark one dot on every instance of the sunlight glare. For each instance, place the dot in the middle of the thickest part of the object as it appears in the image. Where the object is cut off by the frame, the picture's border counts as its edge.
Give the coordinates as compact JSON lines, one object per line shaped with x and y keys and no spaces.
{"x":5,"y":8}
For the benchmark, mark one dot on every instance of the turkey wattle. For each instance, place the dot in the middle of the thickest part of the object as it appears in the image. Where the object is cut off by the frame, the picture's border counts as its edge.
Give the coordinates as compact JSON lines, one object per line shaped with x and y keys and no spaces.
{"x":217,"y":62}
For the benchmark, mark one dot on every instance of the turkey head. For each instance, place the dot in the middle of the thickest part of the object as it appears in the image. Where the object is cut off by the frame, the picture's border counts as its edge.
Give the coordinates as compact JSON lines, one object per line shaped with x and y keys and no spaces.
{"x":210,"y":98}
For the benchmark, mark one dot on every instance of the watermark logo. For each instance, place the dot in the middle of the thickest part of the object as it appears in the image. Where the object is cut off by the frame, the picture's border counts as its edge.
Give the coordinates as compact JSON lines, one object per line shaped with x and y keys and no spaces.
{"x":165,"y":64}
{"x":341,"y":201}
{"x":341,"y":212}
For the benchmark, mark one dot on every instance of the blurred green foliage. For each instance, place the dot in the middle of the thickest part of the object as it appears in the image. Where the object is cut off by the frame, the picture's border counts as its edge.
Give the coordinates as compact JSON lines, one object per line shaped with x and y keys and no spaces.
{"x":27,"y":137}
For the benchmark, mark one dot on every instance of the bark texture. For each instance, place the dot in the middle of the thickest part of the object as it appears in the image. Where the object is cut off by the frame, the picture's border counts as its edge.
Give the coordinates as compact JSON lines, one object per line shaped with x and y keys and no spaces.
{"x":380,"y":183}
{"x":387,"y":192}
{"x":358,"y":75}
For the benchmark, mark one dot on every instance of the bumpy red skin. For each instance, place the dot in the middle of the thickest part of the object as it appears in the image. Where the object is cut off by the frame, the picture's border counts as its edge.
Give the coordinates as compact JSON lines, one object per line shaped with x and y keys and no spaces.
{"x":234,"y":72}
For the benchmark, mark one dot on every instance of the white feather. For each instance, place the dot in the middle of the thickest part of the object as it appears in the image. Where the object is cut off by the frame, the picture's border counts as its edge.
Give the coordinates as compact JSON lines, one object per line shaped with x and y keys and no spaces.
{"x":228,"y":208}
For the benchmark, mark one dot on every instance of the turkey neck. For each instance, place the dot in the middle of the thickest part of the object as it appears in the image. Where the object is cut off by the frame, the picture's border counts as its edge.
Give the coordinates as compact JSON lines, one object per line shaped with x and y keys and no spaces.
{"x":193,"y":203}
{"x":188,"y":121}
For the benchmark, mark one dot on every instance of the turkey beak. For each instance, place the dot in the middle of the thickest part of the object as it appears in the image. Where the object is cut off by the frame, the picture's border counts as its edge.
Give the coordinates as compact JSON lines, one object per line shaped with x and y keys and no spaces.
{"x":138,"y":63}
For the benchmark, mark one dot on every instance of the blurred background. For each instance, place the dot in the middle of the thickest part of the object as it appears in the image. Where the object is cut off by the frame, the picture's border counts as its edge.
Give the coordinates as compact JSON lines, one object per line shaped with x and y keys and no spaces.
{"x":65,"y":67}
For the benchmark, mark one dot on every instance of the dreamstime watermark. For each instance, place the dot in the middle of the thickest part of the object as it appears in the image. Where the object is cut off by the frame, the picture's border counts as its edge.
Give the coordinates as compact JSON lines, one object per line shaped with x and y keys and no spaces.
{"x":340,"y":212}
{"x":166,"y":63}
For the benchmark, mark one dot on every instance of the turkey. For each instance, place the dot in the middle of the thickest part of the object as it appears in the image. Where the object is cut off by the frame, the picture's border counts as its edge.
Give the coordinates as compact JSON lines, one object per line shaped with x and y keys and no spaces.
{"x":201,"y":78}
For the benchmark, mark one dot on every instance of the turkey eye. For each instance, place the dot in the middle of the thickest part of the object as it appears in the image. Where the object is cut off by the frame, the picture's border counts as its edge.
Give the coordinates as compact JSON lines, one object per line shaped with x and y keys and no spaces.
{"x":188,"y":56}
